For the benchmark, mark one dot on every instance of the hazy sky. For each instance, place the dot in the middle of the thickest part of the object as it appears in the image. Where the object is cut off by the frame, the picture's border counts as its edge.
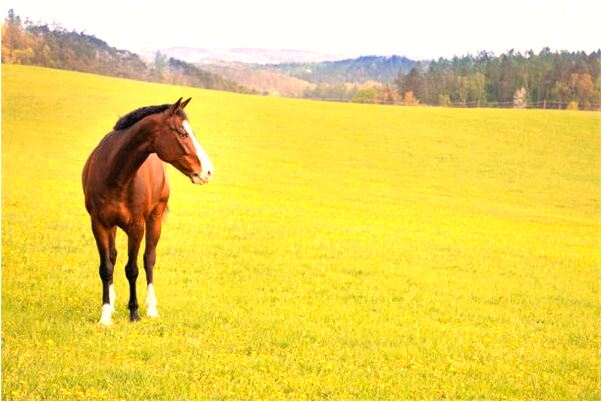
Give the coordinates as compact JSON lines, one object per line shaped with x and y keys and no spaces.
{"x":417,"y":29}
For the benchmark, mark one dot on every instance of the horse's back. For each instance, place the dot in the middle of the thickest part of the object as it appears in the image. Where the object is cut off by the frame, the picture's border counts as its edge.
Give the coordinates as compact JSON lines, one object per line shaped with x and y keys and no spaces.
{"x":96,"y":169}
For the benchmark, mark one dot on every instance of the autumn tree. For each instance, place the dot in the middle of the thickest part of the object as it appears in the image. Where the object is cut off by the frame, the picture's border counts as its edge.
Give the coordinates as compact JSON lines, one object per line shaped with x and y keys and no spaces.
{"x":409,"y":99}
{"x":520,"y":98}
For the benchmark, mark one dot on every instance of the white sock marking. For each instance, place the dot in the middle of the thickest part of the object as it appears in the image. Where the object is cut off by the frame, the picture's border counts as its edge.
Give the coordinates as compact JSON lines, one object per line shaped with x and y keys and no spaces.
{"x":105,"y":318}
{"x":112,"y":297}
{"x":151,"y":302}
{"x":206,"y":164}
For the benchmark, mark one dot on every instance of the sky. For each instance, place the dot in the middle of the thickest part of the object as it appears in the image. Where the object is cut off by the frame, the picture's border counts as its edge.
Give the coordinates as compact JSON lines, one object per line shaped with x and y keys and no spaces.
{"x":424,"y":29}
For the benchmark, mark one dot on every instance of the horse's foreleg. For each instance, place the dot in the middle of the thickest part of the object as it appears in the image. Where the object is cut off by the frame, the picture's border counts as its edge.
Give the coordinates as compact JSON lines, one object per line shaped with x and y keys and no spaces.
{"x":135,"y":233}
{"x":102,"y":236}
{"x":153,"y":232}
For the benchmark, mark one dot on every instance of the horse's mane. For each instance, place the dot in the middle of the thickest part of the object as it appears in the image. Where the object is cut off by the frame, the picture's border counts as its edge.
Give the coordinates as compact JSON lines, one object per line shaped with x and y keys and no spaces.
{"x":136,"y":115}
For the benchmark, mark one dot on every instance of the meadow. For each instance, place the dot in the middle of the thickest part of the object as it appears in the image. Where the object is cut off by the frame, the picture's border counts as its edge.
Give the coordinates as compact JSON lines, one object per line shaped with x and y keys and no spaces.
{"x":342,"y":251}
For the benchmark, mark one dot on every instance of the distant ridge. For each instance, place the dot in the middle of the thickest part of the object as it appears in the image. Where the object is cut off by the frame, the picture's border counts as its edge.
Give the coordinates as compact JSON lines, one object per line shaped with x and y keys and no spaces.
{"x":243,"y":55}
{"x":55,"y":47}
{"x":361,"y":69}
{"x":260,"y":79}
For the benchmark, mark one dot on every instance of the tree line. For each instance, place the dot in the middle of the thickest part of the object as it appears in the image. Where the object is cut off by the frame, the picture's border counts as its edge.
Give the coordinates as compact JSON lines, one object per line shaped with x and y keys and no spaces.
{"x":543,"y":80}
{"x":55,"y":47}
{"x":561,"y":80}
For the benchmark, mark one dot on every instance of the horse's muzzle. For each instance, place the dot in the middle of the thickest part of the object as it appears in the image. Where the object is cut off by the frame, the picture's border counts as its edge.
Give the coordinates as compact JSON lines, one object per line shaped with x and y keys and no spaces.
{"x":202,"y":178}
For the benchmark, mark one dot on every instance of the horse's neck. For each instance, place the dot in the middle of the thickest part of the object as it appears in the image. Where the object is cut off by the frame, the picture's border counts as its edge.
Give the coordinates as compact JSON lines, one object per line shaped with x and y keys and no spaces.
{"x":132,"y":151}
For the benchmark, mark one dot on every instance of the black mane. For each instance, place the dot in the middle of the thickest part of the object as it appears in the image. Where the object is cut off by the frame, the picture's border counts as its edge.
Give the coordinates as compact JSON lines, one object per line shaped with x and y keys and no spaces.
{"x":134,"y":116}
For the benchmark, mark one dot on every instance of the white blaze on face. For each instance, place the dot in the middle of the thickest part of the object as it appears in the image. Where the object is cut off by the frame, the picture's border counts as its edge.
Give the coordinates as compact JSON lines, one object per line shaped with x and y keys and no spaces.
{"x":206,"y":166}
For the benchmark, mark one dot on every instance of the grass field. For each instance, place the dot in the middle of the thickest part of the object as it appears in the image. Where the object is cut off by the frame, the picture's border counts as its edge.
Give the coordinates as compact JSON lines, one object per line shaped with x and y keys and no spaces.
{"x":342,"y":251}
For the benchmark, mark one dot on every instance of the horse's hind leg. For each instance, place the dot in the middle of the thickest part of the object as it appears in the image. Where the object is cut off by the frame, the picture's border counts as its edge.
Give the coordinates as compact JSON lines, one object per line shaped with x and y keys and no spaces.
{"x":102,"y":236}
{"x":112,"y":248}
{"x":113,"y":258}
{"x":135,"y":233}
{"x":153,"y":232}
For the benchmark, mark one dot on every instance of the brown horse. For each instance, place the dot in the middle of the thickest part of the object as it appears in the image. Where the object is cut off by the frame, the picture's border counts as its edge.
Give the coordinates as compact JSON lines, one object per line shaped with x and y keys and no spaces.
{"x":125,"y":186}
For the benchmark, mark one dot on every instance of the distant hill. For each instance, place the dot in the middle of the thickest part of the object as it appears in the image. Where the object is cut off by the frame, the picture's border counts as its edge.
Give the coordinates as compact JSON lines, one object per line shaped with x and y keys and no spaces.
{"x":242,"y":55}
{"x":70,"y":50}
{"x":366,"y":68}
{"x":322,"y":80}
{"x":261,"y":80}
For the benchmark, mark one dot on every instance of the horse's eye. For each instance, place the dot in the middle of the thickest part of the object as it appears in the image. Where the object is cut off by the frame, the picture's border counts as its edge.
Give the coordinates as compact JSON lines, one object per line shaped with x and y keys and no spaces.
{"x":181,"y":132}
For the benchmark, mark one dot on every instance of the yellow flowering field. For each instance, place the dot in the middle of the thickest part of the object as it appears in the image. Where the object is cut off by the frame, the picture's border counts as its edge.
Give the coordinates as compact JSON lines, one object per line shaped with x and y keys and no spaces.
{"x":342,"y":251}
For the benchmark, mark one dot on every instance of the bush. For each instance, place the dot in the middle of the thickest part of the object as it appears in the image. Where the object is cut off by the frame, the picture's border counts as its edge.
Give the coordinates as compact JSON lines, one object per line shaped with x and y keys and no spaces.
{"x":365,"y":95}
{"x":444,"y":100}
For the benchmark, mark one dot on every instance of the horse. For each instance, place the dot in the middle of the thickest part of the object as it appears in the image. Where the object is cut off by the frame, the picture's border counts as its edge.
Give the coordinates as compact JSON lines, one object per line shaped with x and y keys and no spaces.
{"x":125,"y":185}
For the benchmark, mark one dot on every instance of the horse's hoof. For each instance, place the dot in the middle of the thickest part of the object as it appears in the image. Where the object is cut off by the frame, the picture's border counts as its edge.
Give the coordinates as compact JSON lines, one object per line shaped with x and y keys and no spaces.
{"x":134,"y":316}
{"x":152,"y":312}
{"x":105,"y":318}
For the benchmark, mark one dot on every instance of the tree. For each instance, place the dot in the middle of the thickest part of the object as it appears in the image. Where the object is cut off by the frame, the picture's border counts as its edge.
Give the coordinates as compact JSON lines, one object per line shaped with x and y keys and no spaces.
{"x":160,"y":62}
{"x":585,"y":90}
{"x":548,"y":78}
{"x":444,"y":100}
{"x":410,"y":100}
{"x":520,"y":98}
{"x":386,"y":94}
{"x":476,"y":89}
{"x":13,"y":37}
{"x":365,"y":95}
{"x":560,"y":92}
{"x":414,"y":82}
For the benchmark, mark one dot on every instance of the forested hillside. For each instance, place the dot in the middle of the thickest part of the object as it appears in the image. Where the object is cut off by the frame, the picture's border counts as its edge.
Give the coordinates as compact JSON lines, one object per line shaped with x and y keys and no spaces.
{"x":560,"y":80}
{"x":361,"y":69}
{"x":513,"y":79}
{"x":545,"y":79}
{"x":27,"y":43}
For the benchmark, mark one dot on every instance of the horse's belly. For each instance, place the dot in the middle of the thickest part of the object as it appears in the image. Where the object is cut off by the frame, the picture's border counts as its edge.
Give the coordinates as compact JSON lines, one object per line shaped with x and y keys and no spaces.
{"x":147,"y":190}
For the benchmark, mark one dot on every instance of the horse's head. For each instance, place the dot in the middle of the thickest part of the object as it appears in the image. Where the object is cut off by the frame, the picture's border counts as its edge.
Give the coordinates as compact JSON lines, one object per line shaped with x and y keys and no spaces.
{"x":176,"y":143}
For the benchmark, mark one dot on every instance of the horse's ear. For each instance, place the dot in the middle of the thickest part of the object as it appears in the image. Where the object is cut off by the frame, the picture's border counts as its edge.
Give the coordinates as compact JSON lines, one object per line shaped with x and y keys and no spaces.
{"x":174,"y":108}
{"x":183,"y":105}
